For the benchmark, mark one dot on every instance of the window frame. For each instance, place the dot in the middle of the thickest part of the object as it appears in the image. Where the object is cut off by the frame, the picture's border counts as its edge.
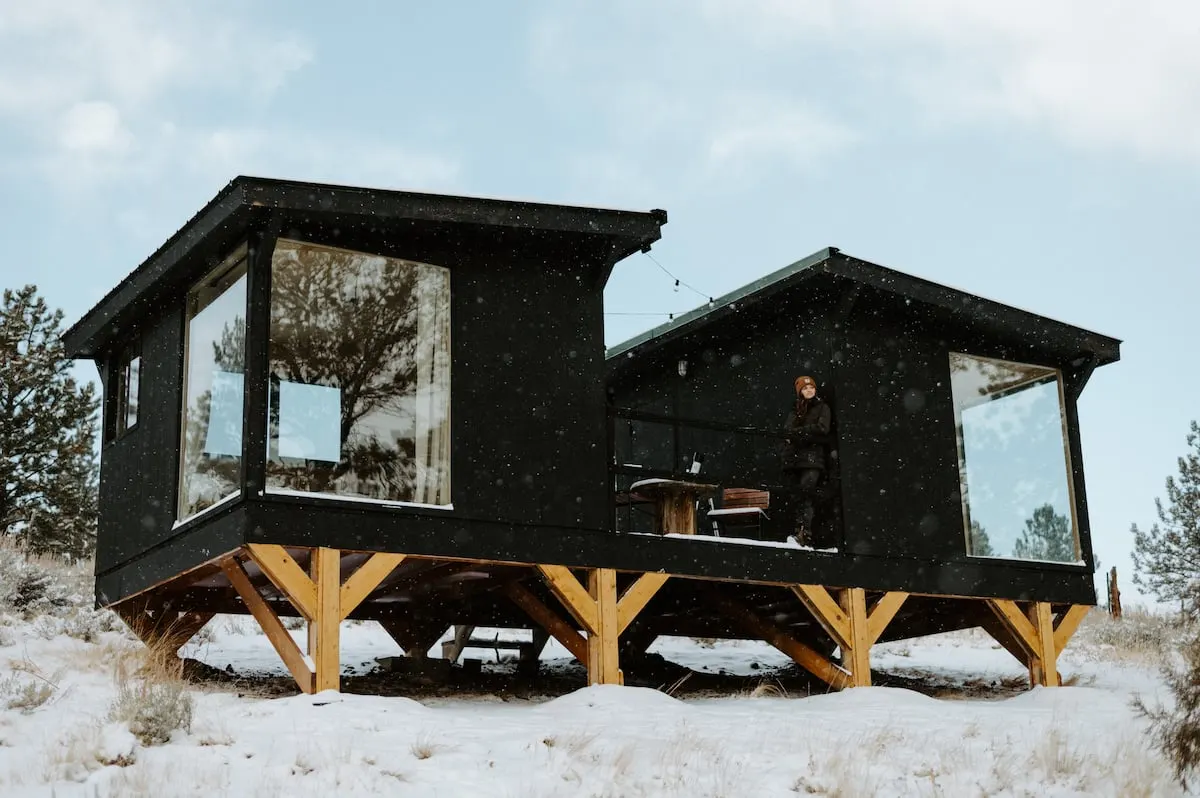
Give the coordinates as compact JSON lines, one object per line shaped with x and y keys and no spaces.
{"x":117,"y":404}
{"x":960,"y":460}
{"x":238,"y":260}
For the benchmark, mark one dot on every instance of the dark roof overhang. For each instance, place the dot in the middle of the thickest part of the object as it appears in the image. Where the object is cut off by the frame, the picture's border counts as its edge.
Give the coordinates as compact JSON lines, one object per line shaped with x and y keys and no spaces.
{"x":830,"y":267}
{"x":224,"y":219}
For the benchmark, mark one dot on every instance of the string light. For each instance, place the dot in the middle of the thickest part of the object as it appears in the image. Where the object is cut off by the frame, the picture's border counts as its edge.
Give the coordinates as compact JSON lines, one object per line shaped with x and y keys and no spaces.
{"x":678,"y":282}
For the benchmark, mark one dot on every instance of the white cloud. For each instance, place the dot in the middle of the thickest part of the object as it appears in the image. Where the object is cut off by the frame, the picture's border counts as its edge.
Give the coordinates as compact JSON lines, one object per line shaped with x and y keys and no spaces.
{"x":91,"y":128}
{"x":1120,"y":75}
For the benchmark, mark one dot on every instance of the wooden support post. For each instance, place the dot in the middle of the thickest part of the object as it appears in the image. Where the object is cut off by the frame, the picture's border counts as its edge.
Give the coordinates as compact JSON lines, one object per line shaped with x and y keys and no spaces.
{"x":848,"y":623}
{"x":856,"y":656}
{"x":327,"y":580}
{"x":1035,"y":636}
{"x":1114,"y":594}
{"x":319,"y":596}
{"x":602,"y":641}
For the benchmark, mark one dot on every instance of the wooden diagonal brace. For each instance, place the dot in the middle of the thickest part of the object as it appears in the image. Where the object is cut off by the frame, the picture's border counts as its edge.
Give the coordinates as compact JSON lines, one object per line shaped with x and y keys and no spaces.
{"x":826,"y":611}
{"x":636,"y":597}
{"x":1067,"y":623}
{"x":279,"y":638}
{"x":804,"y":656}
{"x":1022,"y":631}
{"x":548,"y":619}
{"x":574,"y":596}
{"x":287,"y":575}
{"x":883,"y":613}
{"x":368,"y":576}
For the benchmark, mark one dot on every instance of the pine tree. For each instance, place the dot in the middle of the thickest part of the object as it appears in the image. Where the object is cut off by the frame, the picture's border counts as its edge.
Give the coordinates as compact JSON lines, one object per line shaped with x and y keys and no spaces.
{"x":1166,"y":557}
{"x":1047,"y":536}
{"x":48,"y":474}
{"x":981,"y":544}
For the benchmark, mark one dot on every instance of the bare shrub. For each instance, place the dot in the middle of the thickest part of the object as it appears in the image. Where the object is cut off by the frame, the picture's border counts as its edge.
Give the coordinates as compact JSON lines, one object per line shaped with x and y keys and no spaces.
{"x":24,"y":695}
{"x":1176,"y":730}
{"x":1138,"y":635}
{"x":153,"y":710}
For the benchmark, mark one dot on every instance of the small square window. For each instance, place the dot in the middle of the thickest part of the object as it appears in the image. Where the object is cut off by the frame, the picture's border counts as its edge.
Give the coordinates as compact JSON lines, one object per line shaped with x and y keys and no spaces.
{"x":123,"y":394}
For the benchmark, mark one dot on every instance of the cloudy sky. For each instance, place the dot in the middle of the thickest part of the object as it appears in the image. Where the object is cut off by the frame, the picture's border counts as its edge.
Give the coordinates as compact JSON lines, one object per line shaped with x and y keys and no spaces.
{"x":1043,"y":155}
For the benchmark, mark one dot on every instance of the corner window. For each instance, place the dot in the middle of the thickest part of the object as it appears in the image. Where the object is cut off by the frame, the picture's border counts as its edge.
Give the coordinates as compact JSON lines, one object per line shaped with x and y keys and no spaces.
{"x":214,"y":370}
{"x":359,"y":402}
{"x":123,"y":388}
{"x":1013,"y":461}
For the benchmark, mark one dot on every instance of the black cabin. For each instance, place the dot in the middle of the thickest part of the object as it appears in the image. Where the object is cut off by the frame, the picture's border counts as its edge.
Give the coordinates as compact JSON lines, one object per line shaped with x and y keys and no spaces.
{"x":411,"y":392}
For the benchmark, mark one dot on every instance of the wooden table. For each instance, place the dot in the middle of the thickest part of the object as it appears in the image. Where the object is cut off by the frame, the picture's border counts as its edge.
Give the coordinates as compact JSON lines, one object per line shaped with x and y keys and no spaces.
{"x":674,"y":502}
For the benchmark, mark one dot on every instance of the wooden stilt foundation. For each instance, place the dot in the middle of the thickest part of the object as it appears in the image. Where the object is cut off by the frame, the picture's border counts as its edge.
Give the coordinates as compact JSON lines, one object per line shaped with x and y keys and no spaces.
{"x":597,"y":615}
{"x":1034,"y":636}
{"x":319,"y":596}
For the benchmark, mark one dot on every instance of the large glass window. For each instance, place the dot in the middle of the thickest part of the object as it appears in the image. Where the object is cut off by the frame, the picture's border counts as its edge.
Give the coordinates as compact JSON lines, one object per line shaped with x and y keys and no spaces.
{"x":1013,"y":463}
{"x":214,"y":349}
{"x":359,"y":376}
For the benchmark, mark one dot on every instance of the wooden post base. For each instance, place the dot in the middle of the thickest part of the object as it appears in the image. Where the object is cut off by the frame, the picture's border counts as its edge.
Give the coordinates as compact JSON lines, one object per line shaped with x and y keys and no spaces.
{"x":1035,"y":636}
{"x":319,"y":596}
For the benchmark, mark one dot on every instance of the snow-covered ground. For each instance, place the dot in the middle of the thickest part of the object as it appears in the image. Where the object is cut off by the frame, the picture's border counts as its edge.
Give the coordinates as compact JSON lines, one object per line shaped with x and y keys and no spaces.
{"x":968,"y":733}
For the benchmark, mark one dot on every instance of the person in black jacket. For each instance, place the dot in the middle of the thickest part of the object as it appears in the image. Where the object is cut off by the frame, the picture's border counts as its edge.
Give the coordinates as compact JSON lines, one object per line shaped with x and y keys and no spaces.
{"x":804,"y":453}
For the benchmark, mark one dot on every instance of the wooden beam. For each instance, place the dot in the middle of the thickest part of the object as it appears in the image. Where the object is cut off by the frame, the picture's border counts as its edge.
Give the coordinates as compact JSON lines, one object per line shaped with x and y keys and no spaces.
{"x":1010,"y":615}
{"x":636,"y":597}
{"x":279,"y":638}
{"x":327,"y":574}
{"x":856,"y":656}
{"x":368,"y":576}
{"x":415,"y":634}
{"x":883,"y":613}
{"x":1067,"y":624}
{"x":548,"y":619}
{"x":1043,"y":622}
{"x":603,"y":660}
{"x":165,"y":629}
{"x":573,"y":596}
{"x":1007,"y":640}
{"x":287,"y":575}
{"x":804,"y":656}
{"x":826,"y":611}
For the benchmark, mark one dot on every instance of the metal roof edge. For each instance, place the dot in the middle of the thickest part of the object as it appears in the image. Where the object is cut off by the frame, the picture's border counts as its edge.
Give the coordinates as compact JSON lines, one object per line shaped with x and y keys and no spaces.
{"x":697,"y":315}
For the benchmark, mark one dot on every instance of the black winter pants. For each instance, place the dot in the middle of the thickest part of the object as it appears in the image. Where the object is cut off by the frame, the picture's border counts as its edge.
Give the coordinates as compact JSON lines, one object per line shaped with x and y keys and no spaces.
{"x":803,"y":482}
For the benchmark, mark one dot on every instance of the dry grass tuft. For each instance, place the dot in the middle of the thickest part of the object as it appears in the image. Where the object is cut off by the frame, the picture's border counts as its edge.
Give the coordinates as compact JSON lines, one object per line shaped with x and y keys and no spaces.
{"x":424,"y":747}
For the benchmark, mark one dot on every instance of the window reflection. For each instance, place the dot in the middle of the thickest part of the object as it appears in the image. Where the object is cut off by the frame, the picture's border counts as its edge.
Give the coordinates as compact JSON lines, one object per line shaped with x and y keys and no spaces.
{"x":214,"y":350}
{"x":1012,"y":459}
{"x":359,"y":376}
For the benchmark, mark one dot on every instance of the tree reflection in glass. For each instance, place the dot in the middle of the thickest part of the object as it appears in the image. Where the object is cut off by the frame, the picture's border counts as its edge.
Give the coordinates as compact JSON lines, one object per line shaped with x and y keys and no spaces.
{"x":359,"y":376}
{"x":1012,"y":457}
{"x":210,"y":468}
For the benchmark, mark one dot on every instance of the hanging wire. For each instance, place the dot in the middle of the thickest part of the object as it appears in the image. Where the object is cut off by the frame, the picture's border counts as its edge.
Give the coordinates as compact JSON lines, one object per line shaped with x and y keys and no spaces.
{"x":678,"y":282}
